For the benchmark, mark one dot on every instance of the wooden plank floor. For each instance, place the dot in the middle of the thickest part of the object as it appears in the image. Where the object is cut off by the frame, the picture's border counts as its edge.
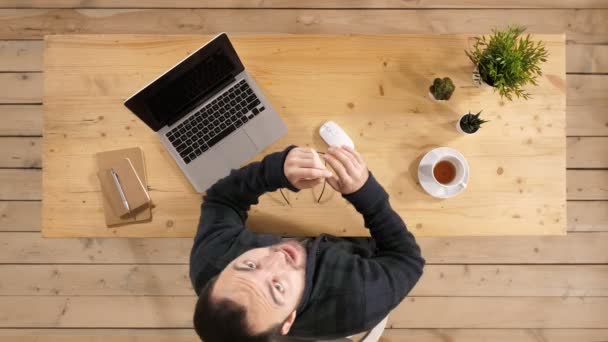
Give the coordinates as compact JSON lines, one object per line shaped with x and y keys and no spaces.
{"x":550,"y":289}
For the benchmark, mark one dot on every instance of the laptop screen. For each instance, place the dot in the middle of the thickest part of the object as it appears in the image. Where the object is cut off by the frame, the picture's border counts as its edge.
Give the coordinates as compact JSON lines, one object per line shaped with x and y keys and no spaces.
{"x":190,"y":82}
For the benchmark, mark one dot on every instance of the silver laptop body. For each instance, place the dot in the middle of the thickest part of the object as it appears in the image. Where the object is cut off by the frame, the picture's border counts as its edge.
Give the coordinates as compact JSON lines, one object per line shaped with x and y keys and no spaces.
{"x":220,"y":133}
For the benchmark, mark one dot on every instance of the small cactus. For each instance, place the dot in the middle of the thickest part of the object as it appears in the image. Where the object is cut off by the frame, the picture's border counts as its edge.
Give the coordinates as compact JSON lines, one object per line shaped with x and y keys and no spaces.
{"x":470,"y":123}
{"x":442,"y":89}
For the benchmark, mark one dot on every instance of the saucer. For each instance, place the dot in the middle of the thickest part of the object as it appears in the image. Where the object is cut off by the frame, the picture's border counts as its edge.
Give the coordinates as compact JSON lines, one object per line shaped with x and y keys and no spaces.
{"x":425,"y":173}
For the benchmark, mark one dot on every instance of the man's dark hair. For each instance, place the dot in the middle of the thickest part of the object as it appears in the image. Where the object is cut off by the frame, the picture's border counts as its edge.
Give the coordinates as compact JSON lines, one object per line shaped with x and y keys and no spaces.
{"x":225,"y":320}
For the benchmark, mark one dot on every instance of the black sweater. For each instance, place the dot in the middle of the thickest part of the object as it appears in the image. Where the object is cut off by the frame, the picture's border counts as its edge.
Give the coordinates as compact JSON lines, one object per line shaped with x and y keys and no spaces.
{"x":351,"y":283}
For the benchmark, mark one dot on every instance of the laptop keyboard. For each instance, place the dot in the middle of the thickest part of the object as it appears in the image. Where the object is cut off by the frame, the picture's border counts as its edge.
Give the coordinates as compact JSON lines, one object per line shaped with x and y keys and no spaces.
{"x":215,"y":121}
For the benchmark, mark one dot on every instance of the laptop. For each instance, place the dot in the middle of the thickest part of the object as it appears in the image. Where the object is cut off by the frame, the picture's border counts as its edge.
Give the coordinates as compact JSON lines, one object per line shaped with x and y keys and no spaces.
{"x":209,"y":113}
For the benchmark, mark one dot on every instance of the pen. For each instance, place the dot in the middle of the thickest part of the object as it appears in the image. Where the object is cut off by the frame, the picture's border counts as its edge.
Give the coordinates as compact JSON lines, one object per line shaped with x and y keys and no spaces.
{"x":119,"y":187}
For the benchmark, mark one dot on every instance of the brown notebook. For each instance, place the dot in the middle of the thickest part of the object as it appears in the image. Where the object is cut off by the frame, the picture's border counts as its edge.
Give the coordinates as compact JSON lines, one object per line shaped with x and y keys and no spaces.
{"x":123,"y":187}
{"x":133,"y":184}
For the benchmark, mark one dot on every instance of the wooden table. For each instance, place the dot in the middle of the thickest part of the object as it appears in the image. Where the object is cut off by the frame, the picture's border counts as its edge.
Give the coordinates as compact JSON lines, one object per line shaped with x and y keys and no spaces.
{"x":376,"y":87}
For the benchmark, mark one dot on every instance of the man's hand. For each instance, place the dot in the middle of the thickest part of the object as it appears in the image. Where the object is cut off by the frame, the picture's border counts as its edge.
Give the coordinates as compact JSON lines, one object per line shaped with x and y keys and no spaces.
{"x":350,"y":170}
{"x":304,"y":168}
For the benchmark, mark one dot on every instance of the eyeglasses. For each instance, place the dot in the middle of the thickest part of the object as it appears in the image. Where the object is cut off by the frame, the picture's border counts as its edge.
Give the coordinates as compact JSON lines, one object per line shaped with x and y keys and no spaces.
{"x":320,"y":195}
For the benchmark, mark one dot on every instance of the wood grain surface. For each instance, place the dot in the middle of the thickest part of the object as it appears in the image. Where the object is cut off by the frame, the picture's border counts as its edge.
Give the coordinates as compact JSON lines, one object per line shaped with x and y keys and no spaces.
{"x":586,"y":110}
{"x":20,"y":55}
{"x":587,"y":59}
{"x":413,"y":312}
{"x":507,"y":312}
{"x":587,"y":184}
{"x":575,"y":248}
{"x":390,"y":335}
{"x":243,"y":4}
{"x":587,"y":153}
{"x":17,"y":152}
{"x":103,"y":335}
{"x":173,"y":280}
{"x":29,"y":89}
{"x":587,"y":105}
{"x":587,"y":216}
{"x":583,"y":216}
{"x":492,"y":335}
{"x":21,"y":120}
{"x":20,"y":215}
{"x":385,"y":108}
{"x":582,"y":26}
{"x":20,"y":184}
{"x":29,"y":261}
{"x":26,"y":55}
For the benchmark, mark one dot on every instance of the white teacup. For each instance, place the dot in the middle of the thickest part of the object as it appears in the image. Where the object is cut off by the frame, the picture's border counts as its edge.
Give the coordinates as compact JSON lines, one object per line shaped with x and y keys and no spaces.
{"x":459,"y":178}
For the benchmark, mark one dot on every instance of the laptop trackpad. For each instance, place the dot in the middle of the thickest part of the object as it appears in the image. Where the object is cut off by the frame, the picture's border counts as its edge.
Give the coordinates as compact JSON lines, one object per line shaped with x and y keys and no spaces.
{"x":237,"y":149}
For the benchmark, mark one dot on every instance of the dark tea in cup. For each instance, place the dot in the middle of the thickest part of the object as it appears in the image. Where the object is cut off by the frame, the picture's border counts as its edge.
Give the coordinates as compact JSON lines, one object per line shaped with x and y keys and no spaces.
{"x":444,"y":172}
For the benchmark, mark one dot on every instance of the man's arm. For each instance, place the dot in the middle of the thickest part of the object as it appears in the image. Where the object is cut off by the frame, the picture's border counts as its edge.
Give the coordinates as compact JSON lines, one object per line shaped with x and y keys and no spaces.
{"x":221,"y":232}
{"x":227,"y":202}
{"x":397,"y":264}
{"x":398,"y":258}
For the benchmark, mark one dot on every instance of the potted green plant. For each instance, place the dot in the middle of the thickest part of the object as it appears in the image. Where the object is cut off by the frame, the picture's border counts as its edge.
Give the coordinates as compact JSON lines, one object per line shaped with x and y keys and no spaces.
{"x":507,"y":61}
{"x":469,"y":123}
{"x":442,"y":89}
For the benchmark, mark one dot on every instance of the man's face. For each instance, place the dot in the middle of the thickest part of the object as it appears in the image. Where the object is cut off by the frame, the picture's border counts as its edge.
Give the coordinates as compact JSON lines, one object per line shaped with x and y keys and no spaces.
{"x":268,"y":281}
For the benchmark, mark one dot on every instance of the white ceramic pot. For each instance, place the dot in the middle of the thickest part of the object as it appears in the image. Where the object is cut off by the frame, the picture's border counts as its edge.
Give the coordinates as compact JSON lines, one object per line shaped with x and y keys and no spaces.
{"x":459,"y":129}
